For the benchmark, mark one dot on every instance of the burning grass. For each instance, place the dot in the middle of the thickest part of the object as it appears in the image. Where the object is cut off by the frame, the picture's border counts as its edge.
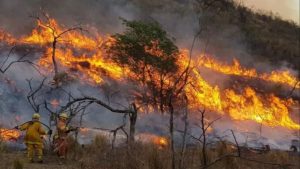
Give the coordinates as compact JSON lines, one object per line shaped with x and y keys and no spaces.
{"x":86,"y":58}
{"x":281,"y":77}
{"x":9,"y":134}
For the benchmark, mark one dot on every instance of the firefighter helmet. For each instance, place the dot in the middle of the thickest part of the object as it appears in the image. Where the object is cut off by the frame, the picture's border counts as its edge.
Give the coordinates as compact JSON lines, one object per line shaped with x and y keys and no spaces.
{"x":36,"y":116}
{"x":63,"y":115}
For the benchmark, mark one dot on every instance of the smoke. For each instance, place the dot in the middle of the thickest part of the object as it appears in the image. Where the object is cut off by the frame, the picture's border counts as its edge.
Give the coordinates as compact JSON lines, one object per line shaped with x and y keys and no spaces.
{"x":288,"y":10}
{"x":177,"y":17}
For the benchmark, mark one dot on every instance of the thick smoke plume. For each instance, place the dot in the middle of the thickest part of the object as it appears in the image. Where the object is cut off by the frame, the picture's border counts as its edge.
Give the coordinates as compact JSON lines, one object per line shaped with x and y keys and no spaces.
{"x":178,"y":18}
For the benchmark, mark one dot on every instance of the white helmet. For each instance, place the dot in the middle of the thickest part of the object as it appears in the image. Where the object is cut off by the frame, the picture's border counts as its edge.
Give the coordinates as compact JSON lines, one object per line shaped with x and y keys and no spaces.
{"x":63,"y":115}
{"x":36,"y":116}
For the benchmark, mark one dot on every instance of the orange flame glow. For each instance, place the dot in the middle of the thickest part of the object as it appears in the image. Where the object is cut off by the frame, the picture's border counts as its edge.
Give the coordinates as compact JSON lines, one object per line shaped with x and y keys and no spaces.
{"x":83,"y":57}
{"x":161,"y":142}
{"x":248,"y":105}
{"x":6,"y":37}
{"x":8,"y":135}
{"x":54,"y":103}
{"x":282,"y":77}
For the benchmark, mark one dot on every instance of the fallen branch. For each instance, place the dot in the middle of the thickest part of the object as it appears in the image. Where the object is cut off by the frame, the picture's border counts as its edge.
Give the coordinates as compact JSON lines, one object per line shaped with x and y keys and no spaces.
{"x":97,"y":101}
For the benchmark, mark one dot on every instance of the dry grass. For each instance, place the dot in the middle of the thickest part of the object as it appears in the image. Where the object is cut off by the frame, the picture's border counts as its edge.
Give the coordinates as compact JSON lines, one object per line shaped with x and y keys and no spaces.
{"x":100,"y":155}
{"x":148,"y":156}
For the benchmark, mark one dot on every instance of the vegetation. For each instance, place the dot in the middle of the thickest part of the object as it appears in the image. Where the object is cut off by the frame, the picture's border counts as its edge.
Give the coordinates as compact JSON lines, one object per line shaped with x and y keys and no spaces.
{"x":151,"y":55}
{"x":130,"y":48}
{"x":99,"y":155}
{"x":268,"y":37}
{"x":146,"y":49}
{"x":18,"y":164}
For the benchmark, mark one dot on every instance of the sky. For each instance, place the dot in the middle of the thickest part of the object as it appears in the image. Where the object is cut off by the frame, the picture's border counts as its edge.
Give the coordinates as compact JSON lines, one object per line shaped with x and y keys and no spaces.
{"x":287,"y":9}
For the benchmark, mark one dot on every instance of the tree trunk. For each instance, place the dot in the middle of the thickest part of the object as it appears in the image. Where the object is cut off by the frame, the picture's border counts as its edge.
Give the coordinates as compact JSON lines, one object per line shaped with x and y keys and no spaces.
{"x":53,"y":57}
{"x":183,"y":148}
{"x":171,"y":110}
{"x":204,"y":139}
{"x":133,"y":118}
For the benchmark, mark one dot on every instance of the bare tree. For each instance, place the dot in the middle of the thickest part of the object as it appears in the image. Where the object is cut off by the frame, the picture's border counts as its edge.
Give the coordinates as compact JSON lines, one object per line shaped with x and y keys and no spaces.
{"x":4,"y":66}
{"x":32,"y":95}
{"x":132,"y":118}
{"x":290,"y":94}
{"x":115,"y":131}
{"x":56,"y":37}
{"x":183,"y":144}
{"x":82,"y":103}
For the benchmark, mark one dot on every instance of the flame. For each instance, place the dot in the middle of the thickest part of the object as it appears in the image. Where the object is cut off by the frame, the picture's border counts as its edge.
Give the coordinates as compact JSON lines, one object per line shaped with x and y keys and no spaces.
{"x":83,"y":57}
{"x":54,"y":103}
{"x":8,"y":135}
{"x":247,"y":105}
{"x":161,"y":142}
{"x":93,"y":68}
{"x":282,"y":77}
{"x":45,"y":33}
{"x":269,"y":110}
{"x":6,"y":37}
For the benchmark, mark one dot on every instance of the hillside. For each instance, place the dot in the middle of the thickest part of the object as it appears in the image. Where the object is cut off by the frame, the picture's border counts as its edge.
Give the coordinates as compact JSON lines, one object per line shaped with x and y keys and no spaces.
{"x":139,"y":84}
{"x":268,"y":37}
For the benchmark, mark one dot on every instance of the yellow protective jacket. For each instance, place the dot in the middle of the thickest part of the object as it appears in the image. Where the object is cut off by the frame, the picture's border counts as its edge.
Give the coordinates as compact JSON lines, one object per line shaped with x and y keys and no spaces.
{"x":34,"y":132}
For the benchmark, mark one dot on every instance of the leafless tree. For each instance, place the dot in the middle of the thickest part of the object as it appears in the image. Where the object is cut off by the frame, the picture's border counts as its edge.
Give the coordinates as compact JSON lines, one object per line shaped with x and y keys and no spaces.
{"x":115,"y":131}
{"x":293,"y":89}
{"x":131,"y":111}
{"x":204,"y":126}
{"x":185,"y":130}
{"x":56,"y":37}
{"x":32,"y":95}
{"x":4,"y":66}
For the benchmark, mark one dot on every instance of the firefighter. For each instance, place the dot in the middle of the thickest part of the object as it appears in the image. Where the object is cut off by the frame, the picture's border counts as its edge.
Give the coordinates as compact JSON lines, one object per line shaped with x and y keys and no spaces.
{"x":60,"y":136}
{"x":33,"y":138}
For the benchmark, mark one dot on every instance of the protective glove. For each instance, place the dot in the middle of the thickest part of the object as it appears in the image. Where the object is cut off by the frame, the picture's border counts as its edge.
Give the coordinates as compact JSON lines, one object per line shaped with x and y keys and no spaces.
{"x":49,"y":132}
{"x":72,"y":129}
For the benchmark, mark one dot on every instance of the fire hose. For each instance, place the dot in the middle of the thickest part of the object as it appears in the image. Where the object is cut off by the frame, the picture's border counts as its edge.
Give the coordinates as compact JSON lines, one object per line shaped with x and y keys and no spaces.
{"x":49,"y":129}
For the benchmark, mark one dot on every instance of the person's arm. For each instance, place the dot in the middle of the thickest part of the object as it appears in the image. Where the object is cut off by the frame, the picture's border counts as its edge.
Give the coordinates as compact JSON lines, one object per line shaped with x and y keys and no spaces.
{"x":24,"y":126}
{"x":69,"y":129}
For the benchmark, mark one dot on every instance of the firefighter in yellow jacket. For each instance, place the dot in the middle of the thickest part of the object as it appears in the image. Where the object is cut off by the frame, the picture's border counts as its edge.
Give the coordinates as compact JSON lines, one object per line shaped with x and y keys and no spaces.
{"x":60,"y":137}
{"x":33,"y":138}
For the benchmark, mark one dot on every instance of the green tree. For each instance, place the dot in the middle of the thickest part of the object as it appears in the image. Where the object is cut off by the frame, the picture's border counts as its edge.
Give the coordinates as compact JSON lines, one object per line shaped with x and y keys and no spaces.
{"x":151,"y":55}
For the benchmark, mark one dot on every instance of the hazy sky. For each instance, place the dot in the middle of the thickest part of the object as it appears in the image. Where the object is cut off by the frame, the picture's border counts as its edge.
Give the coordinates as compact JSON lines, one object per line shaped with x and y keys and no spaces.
{"x":287,"y":9}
